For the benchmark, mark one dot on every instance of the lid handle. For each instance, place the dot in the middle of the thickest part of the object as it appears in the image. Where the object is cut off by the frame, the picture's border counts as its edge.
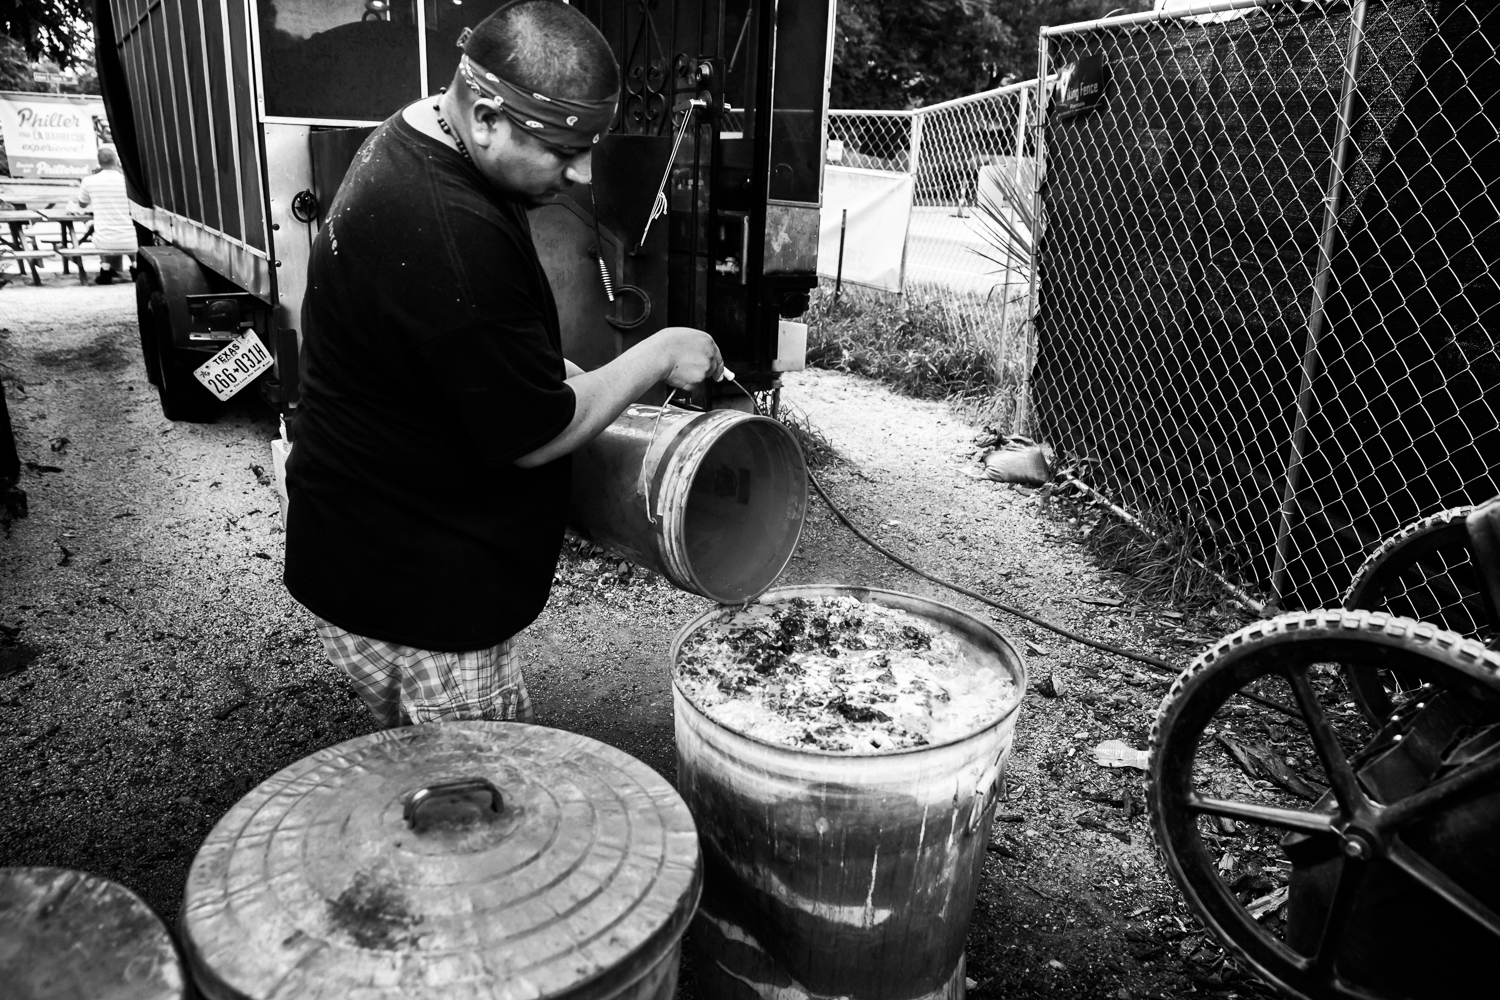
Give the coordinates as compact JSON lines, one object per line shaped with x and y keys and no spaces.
{"x":453,"y":803}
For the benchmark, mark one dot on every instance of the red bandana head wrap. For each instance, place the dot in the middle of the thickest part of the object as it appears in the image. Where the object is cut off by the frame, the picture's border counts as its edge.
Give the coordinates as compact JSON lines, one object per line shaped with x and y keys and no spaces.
{"x":556,"y":120}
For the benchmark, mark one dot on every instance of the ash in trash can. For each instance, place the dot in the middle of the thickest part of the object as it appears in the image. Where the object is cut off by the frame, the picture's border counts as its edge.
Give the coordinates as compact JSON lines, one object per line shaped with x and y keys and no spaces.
{"x":839,"y":675}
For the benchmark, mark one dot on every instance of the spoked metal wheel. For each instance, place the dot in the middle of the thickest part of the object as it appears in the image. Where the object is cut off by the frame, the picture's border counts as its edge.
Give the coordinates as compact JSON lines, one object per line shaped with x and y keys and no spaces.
{"x":1336,"y":858}
{"x":1426,"y":572}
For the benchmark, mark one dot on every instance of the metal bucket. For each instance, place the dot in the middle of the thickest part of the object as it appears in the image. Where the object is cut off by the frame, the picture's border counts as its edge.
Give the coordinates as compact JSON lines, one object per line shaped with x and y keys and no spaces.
{"x":713,"y":501}
{"x":474,"y":860}
{"x":834,"y":875}
{"x":67,"y":935}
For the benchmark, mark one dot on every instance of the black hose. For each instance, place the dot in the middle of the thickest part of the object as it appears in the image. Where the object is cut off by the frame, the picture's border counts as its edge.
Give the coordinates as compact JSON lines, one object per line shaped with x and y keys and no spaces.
{"x":1154,"y":662}
{"x":1129,"y":654}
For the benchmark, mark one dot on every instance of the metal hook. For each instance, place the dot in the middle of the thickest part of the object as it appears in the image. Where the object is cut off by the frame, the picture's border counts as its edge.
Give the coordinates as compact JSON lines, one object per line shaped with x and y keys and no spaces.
{"x":659,"y":204}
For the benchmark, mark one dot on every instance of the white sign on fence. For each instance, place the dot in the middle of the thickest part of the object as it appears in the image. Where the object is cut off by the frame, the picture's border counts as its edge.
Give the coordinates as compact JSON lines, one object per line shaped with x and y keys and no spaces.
{"x":51,"y":135}
{"x":879,"y":207}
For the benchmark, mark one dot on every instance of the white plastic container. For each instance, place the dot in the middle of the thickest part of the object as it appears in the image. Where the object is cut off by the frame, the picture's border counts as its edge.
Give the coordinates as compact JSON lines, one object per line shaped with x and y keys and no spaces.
{"x":713,"y":501}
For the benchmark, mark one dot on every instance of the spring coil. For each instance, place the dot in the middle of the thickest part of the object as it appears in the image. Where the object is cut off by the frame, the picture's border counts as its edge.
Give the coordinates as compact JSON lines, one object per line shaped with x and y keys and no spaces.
{"x":609,"y":285}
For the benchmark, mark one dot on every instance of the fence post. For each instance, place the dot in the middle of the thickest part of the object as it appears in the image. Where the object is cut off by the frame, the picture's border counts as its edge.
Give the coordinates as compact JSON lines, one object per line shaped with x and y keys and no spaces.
{"x":914,"y":155}
{"x":1022,"y":110}
{"x":1021,"y":421}
{"x":1004,"y":314}
{"x":838,"y":279}
{"x":1311,"y":362}
{"x":1021,"y":133}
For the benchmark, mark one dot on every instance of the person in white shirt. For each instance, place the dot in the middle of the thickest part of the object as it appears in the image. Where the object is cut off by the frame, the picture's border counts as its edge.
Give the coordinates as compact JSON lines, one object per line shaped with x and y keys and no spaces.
{"x":104,"y":192}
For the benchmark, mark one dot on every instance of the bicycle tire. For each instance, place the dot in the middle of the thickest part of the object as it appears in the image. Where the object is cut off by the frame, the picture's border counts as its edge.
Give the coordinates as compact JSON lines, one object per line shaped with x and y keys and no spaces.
{"x":1424,"y":572}
{"x":1192,"y":702}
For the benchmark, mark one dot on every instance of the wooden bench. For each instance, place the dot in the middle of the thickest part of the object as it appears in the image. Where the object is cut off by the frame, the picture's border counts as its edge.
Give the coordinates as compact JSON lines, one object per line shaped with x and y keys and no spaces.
{"x":54,"y":243}
{"x":57,"y":230}
{"x":76,"y":254}
{"x":24,"y":257}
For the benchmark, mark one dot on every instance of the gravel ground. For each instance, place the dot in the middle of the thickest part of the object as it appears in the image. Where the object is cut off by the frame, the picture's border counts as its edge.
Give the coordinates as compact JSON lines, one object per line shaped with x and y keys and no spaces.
{"x":158,"y":670}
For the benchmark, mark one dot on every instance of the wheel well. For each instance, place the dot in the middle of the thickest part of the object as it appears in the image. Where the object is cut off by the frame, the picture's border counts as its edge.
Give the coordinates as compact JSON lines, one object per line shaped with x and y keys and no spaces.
{"x":177,"y":276}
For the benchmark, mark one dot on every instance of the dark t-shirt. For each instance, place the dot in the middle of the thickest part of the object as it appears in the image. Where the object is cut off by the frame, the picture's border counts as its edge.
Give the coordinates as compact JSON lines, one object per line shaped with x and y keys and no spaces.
{"x":432,"y":359}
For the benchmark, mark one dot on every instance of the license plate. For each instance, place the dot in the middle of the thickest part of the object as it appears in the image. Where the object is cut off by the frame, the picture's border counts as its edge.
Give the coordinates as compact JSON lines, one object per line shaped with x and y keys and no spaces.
{"x":235,"y":367}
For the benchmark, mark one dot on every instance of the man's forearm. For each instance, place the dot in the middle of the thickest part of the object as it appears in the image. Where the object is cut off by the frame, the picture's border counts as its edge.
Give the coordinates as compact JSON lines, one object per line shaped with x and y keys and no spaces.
{"x":601,"y":396}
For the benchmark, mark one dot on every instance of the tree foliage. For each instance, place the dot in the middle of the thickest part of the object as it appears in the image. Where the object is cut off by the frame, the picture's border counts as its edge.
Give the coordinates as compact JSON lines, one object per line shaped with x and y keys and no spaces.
{"x":15,"y":68}
{"x":904,"y":53}
{"x":59,"y":30}
{"x":898,"y":54}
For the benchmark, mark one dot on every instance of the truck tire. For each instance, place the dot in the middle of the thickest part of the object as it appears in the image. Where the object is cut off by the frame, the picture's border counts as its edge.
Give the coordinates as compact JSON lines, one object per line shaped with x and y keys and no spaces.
{"x":1426,"y":571}
{"x":149,"y":318}
{"x":165,"y":277}
{"x":182,"y":396}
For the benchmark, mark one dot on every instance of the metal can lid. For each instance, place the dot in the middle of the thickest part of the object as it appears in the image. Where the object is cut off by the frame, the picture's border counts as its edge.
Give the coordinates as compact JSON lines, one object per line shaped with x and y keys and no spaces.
{"x":461,"y":859}
{"x":67,"y":934}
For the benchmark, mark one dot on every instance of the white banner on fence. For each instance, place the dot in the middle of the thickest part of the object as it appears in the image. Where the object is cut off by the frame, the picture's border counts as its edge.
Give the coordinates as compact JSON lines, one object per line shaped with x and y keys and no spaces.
{"x":879,"y":206}
{"x":51,"y":135}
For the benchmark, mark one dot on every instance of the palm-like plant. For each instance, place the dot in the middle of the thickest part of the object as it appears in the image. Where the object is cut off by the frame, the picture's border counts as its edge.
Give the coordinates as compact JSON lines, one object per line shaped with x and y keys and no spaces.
{"x":1006,"y":218}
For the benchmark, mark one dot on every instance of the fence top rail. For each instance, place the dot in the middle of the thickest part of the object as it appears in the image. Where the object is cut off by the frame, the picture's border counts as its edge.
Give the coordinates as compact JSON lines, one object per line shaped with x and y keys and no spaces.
{"x":870,"y":113}
{"x":1009,"y":88}
{"x":1146,"y":17}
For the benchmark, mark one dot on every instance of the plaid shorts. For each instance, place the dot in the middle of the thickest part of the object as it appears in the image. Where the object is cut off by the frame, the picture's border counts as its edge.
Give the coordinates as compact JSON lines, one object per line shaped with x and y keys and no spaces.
{"x":402,"y":685}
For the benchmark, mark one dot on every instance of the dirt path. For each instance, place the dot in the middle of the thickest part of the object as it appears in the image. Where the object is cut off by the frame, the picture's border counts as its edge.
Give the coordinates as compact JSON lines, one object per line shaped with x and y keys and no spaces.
{"x":172,"y":673}
{"x":164,"y":671}
{"x":1073,"y":891}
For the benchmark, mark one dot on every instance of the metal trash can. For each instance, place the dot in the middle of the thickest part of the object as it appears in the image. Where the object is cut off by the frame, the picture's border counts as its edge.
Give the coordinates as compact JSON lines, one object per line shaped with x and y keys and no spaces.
{"x":68,"y":935}
{"x":450,"y":861}
{"x":836,"y":874}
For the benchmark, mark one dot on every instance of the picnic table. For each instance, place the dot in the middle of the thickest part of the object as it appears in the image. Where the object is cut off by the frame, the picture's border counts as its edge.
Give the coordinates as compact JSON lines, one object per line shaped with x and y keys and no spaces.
{"x":14,"y":246}
{"x":65,"y":219}
{"x":18,"y":219}
{"x":37,"y":192}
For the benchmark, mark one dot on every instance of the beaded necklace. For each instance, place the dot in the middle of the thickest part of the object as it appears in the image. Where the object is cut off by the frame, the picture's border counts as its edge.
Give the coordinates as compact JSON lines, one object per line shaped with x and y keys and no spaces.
{"x":443,"y":124}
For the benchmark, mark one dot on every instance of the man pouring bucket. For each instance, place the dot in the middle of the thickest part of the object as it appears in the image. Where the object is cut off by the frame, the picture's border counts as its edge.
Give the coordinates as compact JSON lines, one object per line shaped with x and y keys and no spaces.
{"x":425,"y":522}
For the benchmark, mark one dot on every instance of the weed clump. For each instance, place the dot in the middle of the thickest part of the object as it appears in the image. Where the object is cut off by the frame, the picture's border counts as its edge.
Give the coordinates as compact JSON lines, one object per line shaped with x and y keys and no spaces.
{"x":930,"y":343}
{"x":816,"y":448}
{"x":905,"y":342}
{"x":1177,"y":562}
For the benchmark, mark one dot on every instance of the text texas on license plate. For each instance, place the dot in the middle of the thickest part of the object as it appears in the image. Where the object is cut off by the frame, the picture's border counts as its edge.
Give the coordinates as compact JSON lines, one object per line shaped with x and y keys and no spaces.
{"x":235,"y":367}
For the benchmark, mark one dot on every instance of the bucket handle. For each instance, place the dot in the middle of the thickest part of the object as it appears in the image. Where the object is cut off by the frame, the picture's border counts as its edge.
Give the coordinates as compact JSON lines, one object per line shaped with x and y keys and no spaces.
{"x":450,"y":802}
{"x":645,"y":485}
{"x":984,"y":791}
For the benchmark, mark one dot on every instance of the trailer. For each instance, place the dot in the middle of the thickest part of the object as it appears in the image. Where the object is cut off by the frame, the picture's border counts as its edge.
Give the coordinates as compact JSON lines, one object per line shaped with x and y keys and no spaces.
{"x":237,"y":119}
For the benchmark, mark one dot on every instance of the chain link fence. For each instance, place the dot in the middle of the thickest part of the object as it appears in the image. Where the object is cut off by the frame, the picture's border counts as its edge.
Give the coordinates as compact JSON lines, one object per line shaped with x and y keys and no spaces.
{"x":968,"y":244}
{"x":1267,"y":300}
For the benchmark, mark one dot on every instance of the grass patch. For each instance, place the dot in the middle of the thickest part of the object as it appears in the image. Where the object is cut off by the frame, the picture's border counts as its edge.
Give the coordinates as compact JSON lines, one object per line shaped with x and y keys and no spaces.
{"x":816,"y":448}
{"x":1172,"y":567}
{"x":930,"y":343}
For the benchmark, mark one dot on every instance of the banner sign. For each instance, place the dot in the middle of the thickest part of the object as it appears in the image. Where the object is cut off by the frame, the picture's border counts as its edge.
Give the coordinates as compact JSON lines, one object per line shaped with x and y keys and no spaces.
{"x":52,"y":135}
{"x":873,"y":209}
{"x":1080,"y":85}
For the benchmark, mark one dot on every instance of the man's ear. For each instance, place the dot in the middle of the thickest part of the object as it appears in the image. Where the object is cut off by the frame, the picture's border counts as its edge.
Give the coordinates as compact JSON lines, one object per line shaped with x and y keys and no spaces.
{"x":491,"y":127}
